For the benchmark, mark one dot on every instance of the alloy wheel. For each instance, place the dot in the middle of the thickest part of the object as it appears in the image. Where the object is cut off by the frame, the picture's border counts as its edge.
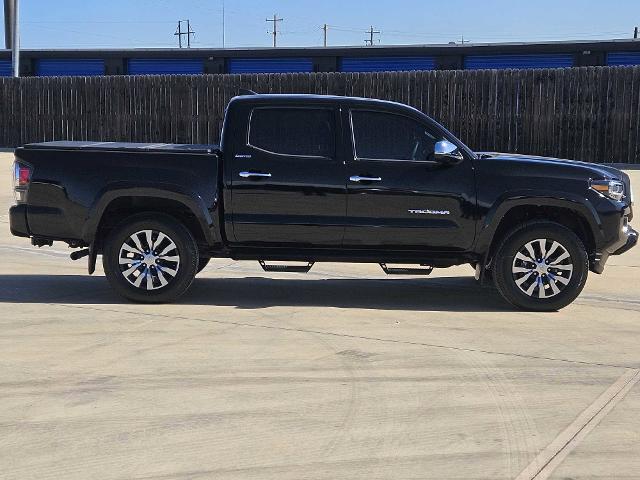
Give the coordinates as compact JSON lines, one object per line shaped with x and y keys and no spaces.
{"x":542,"y":268}
{"x":149,"y":260}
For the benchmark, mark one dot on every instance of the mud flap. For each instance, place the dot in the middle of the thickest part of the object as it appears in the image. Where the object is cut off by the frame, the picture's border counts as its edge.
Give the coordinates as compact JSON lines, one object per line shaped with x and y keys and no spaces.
{"x":93,"y":255}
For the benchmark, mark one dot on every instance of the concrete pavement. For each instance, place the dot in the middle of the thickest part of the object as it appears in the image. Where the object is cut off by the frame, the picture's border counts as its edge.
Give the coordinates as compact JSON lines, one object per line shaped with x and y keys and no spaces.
{"x":341,"y":373}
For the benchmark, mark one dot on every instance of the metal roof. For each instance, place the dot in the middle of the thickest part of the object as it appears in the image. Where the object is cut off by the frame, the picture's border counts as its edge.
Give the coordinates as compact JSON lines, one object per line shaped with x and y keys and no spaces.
{"x":564,"y":46}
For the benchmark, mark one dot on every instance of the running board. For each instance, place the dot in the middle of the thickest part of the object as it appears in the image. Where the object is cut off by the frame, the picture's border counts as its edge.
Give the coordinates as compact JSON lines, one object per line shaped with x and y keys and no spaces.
{"x":427,"y":270}
{"x":285,"y":268}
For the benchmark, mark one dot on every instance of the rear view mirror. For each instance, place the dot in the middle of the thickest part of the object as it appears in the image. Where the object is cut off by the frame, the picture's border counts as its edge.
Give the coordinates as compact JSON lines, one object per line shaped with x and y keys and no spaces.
{"x":447,"y":153}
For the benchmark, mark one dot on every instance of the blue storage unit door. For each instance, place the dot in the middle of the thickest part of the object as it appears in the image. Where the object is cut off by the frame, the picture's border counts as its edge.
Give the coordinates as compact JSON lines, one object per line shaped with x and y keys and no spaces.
{"x":623,"y":58}
{"x":386,"y":64}
{"x":479,"y":62}
{"x":5,"y":68}
{"x":270,"y":65}
{"x":50,"y":67}
{"x":165,"y":66}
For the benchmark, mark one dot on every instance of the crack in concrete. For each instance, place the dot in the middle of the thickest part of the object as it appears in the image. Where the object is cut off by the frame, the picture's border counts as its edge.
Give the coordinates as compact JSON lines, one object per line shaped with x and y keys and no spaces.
{"x":543,"y":465}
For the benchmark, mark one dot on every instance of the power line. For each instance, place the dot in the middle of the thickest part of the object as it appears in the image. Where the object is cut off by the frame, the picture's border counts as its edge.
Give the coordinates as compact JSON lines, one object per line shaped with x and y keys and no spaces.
{"x":179,"y":33}
{"x":275,"y":21}
{"x":371,"y":32}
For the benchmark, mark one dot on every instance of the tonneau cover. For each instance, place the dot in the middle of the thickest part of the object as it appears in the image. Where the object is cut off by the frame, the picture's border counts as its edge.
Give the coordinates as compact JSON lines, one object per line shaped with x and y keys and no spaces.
{"x":123,"y":146}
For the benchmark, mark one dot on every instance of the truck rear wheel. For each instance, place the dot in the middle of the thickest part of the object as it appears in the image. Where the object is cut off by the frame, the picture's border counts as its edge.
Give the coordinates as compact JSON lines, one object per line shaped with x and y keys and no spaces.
{"x":150,"y":258}
{"x":541,"y":266}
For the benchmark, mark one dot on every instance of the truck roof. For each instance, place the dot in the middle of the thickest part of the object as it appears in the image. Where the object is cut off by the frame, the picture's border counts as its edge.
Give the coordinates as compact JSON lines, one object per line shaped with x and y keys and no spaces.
{"x":123,"y":146}
{"x":312,"y":98}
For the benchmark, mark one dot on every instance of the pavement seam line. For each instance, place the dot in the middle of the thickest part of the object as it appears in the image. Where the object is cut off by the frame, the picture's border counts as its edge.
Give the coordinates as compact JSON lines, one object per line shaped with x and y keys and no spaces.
{"x":543,"y":465}
{"x":346,"y":335}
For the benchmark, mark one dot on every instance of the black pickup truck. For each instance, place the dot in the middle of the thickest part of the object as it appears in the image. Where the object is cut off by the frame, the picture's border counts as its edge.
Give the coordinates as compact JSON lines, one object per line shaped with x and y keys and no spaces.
{"x":303,"y":178}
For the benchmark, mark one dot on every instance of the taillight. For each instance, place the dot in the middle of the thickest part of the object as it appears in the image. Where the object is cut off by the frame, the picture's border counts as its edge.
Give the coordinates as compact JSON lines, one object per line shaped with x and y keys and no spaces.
{"x":21,"y":179}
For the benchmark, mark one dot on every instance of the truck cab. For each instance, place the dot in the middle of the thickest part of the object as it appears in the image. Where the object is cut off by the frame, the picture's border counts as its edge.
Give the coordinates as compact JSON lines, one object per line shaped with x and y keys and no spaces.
{"x":352,"y":174}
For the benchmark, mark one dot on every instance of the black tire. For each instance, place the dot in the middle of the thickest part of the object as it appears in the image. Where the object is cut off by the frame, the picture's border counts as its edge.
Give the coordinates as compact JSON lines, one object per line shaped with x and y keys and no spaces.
{"x":202,"y":264}
{"x":568,"y":274}
{"x":178,"y":275}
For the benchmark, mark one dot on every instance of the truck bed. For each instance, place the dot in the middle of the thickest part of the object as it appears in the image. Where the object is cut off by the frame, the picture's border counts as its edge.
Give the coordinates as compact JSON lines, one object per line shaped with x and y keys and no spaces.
{"x":122,"y":146}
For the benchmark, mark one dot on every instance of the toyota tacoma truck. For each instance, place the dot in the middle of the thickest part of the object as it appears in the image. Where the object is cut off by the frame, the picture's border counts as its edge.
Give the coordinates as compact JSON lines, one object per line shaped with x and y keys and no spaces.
{"x":299,"y":179}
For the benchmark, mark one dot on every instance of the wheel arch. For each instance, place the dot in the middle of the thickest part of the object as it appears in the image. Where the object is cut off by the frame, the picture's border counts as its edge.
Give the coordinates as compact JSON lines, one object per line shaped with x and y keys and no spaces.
{"x":578,"y":216}
{"x":115,"y":205}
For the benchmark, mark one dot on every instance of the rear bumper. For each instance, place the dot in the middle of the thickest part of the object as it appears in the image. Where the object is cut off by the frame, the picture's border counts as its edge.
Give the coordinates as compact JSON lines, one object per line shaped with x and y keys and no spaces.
{"x":18,"y":221}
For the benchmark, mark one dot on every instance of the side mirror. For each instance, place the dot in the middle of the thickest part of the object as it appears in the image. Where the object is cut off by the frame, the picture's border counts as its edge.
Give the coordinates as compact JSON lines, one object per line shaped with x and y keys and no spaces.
{"x":447,"y":153}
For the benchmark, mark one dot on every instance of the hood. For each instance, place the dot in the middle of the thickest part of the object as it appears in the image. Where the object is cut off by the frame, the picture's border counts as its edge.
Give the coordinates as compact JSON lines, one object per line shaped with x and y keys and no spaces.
{"x":605,"y":171}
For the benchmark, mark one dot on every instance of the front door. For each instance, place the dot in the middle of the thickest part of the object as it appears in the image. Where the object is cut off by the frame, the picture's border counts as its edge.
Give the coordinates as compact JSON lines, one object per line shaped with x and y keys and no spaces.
{"x":288,"y":184}
{"x":398,"y":197}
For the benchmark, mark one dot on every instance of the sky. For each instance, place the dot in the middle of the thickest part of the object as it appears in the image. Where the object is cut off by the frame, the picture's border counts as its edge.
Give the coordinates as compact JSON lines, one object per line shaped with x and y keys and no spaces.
{"x":151,"y":23}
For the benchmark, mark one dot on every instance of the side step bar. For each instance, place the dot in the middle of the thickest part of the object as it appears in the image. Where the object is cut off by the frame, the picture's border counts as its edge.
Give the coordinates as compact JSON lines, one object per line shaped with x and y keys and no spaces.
{"x":427,"y":270}
{"x":285,"y":268}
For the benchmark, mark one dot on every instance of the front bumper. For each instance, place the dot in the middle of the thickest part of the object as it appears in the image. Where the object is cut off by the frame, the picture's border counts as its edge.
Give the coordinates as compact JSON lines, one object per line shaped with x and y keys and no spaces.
{"x":632,"y":240}
{"x":628,"y":239}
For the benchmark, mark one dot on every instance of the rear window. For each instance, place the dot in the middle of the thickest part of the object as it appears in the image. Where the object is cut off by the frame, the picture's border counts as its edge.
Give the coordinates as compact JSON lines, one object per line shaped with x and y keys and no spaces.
{"x":293,"y":131}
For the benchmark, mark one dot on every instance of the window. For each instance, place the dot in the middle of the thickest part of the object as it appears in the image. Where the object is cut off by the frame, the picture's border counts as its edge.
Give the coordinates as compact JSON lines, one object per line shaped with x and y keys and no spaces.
{"x":293,"y":131}
{"x":385,"y":136}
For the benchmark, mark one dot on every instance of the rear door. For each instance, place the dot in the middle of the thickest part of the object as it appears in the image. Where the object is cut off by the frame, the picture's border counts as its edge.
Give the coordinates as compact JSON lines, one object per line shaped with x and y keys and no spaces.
{"x":288,"y":182}
{"x":398,"y":197}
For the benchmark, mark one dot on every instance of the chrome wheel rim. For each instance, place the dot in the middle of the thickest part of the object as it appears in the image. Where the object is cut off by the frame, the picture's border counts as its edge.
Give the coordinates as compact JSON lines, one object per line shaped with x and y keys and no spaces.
{"x":542,"y":268}
{"x":149,"y":260}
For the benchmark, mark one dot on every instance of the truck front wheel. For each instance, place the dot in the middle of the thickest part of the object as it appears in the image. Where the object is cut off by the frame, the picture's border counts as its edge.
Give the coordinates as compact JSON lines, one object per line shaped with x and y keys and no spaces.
{"x":150,"y":258}
{"x":541,"y":266}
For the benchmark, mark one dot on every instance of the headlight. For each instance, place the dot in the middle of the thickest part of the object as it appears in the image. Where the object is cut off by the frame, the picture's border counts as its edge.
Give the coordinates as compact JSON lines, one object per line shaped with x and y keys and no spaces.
{"x":612,"y":189}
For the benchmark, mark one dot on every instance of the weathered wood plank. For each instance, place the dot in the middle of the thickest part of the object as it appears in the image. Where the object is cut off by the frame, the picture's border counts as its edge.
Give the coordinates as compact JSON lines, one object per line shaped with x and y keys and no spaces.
{"x":587,"y":113}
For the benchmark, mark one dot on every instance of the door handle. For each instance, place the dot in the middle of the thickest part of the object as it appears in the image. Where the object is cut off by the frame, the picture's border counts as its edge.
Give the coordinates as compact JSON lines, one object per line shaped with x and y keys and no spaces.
{"x":255,"y":175}
{"x":357,"y":179}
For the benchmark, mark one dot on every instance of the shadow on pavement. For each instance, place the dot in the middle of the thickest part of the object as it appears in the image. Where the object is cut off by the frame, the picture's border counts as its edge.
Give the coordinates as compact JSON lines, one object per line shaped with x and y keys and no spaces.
{"x":457,"y":294}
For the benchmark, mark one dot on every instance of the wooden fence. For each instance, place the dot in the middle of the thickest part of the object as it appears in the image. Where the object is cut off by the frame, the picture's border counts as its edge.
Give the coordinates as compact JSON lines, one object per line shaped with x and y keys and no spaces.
{"x":590,"y":114}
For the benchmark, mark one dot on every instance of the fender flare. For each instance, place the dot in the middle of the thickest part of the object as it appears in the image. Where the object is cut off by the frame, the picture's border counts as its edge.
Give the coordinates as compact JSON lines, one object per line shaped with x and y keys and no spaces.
{"x":112,"y":192}
{"x":510,"y":200}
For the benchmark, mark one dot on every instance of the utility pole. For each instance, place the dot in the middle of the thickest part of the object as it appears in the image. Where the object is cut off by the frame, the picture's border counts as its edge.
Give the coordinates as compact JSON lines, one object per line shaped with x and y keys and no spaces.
{"x":16,"y":39}
{"x":635,"y":33}
{"x":463,"y":40}
{"x":275,"y":21}
{"x":223,"y":30}
{"x":179,"y":33}
{"x":8,"y":23}
{"x":325,"y":28}
{"x":371,"y":32}
{"x":12,"y":34}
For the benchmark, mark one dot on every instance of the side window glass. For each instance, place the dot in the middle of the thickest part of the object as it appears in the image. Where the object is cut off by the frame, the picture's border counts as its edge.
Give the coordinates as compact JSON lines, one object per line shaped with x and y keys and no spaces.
{"x":386,"y":136}
{"x":293,"y":131}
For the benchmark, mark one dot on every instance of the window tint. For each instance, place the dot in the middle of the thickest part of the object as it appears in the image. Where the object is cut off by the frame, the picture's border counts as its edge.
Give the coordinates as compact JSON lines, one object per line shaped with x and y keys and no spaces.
{"x":293,"y":131}
{"x":384,"y":136}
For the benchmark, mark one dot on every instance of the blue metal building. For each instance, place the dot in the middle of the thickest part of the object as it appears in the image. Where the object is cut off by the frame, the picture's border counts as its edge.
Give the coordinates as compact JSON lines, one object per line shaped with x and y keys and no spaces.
{"x":318,"y":59}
